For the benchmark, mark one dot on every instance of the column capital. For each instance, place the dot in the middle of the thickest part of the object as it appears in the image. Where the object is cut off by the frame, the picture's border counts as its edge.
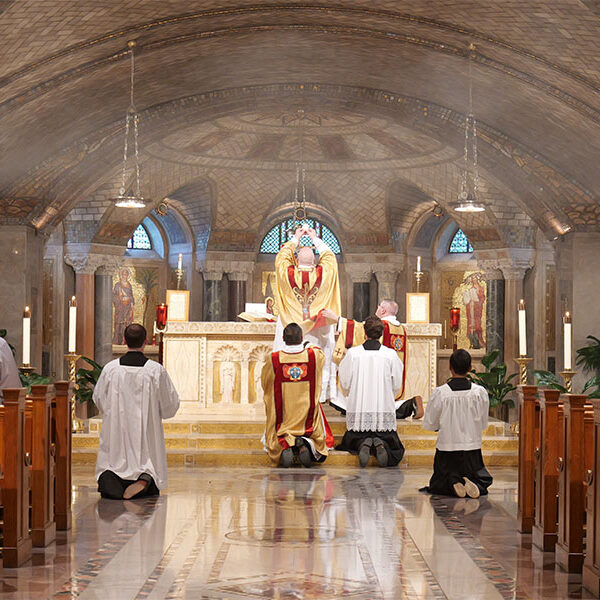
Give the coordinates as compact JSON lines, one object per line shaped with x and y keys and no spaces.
{"x":359,"y":273}
{"x":512,"y":271}
{"x":491,"y":269}
{"x":239,"y":270}
{"x":88,"y":264}
{"x":213,"y":275}
{"x":385,"y":274}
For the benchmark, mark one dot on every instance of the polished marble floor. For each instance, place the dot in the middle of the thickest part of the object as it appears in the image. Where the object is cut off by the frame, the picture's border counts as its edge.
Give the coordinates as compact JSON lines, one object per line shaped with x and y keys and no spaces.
{"x":233,"y":533}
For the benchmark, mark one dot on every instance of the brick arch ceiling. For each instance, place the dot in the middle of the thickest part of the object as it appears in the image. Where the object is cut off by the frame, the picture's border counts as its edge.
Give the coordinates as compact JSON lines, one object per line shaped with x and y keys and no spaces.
{"x":56,"y":93}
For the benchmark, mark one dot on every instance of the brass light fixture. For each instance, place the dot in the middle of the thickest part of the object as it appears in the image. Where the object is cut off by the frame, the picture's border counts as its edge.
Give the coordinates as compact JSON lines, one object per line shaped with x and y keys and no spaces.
{"x":132,"y":199}
{"x":467,"y":198}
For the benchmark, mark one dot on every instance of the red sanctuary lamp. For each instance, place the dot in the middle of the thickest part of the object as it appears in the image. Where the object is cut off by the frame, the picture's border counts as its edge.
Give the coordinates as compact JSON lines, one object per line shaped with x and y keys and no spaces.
{"x":454,"y":326}
{"x":160,"y":326}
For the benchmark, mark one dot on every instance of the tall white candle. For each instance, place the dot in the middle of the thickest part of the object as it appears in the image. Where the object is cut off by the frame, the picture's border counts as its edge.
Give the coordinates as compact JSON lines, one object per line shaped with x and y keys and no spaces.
{"x":26,"y":336}
{"x":418,"y":263}
{"x":568,"y":342}
{"x":522,"y":329}
{"x":72,"y":325}
{"x":180,"y":261}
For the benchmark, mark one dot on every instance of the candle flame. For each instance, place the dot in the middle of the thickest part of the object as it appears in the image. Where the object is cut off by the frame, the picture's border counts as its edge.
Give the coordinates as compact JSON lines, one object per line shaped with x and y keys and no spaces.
{"x":27,"y":309}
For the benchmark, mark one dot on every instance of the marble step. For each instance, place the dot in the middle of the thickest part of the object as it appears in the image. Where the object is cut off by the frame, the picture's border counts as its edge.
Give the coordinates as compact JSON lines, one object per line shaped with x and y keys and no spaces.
{"x":241,"y":442}
{"x":256,"y":428}
{"x":221,"y":457}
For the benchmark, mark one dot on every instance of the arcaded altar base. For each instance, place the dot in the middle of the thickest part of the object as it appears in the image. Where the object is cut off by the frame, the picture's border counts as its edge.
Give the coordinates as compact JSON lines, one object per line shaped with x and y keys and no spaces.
{"x":216,"y":366}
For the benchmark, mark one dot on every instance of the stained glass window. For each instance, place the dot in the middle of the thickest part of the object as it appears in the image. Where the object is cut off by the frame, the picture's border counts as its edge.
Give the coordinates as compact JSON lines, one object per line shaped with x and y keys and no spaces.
{"x":281,"y":233}
{"x":460,"y":244}
{"x":140,"y":240}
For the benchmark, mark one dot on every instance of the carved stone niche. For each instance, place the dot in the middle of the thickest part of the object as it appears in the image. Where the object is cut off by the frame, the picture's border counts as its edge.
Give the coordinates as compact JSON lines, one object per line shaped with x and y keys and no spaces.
{"x":258,"y":357}
{"x":225,"y":366}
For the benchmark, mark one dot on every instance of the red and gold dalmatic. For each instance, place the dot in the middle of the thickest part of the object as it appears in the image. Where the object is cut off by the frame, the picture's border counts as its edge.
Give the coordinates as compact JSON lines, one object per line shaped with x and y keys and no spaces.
{"x":302,"y":293}
{"x":292,"y":384}
{"x":353,"y":334}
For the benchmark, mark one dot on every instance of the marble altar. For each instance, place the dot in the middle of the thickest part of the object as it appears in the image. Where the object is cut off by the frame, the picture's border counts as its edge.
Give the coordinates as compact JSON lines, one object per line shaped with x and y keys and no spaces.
{"x":216,"y":366}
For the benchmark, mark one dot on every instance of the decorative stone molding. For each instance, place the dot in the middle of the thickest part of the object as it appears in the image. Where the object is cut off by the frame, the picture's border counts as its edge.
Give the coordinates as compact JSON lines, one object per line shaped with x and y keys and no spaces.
{"x":385,"y":275}
{"x":359,"y":273}
{"x":515,"y":271}
{"x":212,"y":274}
{"x":88,"y":264}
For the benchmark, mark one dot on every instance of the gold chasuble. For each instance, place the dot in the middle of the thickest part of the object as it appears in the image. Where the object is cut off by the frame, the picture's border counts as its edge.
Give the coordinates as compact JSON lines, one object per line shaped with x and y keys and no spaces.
{"x":353,"y":334}
{"x":302,"y":293}
{"x":292,"y":385}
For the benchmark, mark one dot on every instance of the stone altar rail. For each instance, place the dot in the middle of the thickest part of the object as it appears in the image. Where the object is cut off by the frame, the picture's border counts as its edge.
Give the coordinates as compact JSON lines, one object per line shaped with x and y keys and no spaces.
{"x":216,"y":366}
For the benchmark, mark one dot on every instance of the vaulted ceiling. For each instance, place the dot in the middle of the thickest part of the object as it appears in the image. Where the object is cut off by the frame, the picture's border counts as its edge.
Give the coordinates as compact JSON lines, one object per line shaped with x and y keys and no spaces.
{"x":371,"y":96}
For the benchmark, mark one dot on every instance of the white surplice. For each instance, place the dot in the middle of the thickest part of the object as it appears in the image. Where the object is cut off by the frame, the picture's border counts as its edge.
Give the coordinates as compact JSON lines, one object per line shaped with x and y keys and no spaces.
{"x":133,"y":401}
{"x":371,"y":378}
{"x":9,"y":374}
{"x":461,"y":417}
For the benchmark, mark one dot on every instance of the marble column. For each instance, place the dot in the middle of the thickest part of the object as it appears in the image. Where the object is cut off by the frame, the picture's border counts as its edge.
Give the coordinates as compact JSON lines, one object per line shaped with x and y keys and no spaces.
{"x":585,"y":307}
{"x":84,"y":267}
{"x":103,"y":318}
{"x":360,"y":277}
{"x":214,"y":309}
{"x":386,"y":280}
{"x":21,"y":277}
{"x":361,"y":300}
{"x":237,"y":294}
{"x":494,"y":329}
{"x":513,"y":292}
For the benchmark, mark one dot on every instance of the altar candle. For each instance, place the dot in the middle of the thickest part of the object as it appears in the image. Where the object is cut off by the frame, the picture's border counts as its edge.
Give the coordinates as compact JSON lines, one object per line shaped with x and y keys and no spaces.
{"x":522,"y":329}
{"x":72,"y":325}
{"x":180,"y":261}
{"x":567,"y":341}
{"x":419,"y":264}
{"x":26,"y":336}
{"x":161,"y":316}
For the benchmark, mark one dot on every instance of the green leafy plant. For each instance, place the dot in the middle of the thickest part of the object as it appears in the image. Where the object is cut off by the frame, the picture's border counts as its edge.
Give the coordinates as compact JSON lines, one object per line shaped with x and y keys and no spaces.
{"x":494,"y":380}
{"x":33,"y":379}
{"x":547,"y":379}
{"x":588,"y":357}
{"x":85,"y":381}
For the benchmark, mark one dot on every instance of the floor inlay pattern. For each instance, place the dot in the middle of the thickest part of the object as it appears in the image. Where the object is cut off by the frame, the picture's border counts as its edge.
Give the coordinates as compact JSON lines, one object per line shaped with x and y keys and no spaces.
{"x":236,"y":533}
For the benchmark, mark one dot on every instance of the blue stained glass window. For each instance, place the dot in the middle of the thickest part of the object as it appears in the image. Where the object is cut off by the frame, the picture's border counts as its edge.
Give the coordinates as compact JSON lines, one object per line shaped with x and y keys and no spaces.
{"x":460,"y":244}
{"x":140,"y":240}
{"x":281,"y":233}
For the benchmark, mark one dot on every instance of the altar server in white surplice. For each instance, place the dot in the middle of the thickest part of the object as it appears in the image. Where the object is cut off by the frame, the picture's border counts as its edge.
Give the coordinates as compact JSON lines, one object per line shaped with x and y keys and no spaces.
{"x":9,"y":374}
{"x":134,"y":394}
{"x":370,"y":376}
{"x":458,"y":411}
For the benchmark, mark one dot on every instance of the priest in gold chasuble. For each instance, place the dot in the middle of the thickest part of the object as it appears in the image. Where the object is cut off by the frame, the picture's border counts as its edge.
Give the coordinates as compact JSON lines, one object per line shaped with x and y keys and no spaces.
{"x":352,"y":333}
{"x":296,"y":426}
{"x":304,"y":288}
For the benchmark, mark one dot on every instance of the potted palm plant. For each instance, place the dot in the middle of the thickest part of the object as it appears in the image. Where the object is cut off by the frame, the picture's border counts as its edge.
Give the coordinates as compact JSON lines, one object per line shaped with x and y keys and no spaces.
{"x":588,"y":358}
{"x":85,"y":381}
{"x":497,"y":384}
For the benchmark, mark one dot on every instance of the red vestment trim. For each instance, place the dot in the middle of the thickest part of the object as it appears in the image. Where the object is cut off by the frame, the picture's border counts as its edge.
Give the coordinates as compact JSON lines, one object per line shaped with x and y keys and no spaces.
{"x":278,"y":393}
{"x":387,"y":342}
{"x":308,"y":426}
{"x":349,"y":333}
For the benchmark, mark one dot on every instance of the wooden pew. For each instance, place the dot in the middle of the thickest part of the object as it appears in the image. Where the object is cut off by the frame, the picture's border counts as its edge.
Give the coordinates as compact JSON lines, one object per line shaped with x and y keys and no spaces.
{"x":62,"y":437}
{"x":591,"y":566}
{"x":529,"y":431}
{"x":546,"y":471}
{"x":15,"y":485}
{"x":571,"y":484}
{"x":43,"y":526}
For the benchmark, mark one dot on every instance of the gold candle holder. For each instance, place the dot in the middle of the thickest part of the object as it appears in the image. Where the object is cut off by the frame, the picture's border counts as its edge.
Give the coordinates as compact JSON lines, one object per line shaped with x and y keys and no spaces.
{"x":179,"y":274}
{"x":26,"y":370}
{"x":523,"y":361}
{"x":568,"y":377}
{"x":77,"y":425}
{"x":418,"y":277}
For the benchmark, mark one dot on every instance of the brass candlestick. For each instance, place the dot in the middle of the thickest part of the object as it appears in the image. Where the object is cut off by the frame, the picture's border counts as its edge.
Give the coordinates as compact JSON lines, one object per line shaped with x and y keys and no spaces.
{"x":568,"y":377}
{"x":418,"y":277}
{"x":523,"y":361}
{"x":179,"y":274}
{"x":26,"y":370}
{"x":77,"y":425}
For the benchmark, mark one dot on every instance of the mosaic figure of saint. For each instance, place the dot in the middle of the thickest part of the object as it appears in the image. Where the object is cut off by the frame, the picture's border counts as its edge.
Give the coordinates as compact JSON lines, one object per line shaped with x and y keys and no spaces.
{"x":123,"y":302}
{"x":474,"y":299}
